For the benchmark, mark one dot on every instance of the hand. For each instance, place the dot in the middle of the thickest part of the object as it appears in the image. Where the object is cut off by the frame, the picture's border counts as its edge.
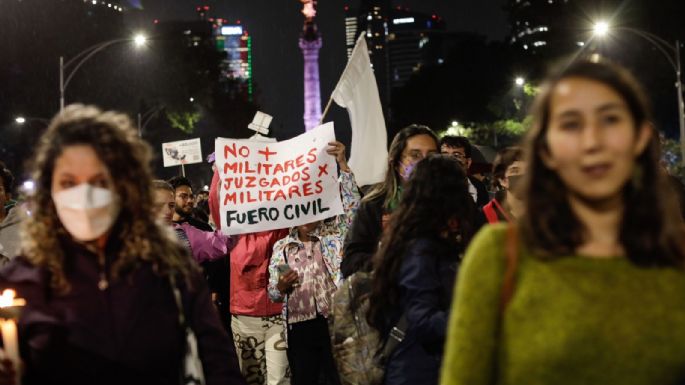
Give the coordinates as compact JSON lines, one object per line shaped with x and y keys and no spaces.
{"x":8,"y":373}
{"x":287,"y":281}
{"x":337,"y":150}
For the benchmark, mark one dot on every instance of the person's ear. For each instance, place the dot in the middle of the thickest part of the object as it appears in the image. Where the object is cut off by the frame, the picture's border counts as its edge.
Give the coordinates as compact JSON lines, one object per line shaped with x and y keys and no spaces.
{"x":504,"y":182}
{"x":644,"y":135}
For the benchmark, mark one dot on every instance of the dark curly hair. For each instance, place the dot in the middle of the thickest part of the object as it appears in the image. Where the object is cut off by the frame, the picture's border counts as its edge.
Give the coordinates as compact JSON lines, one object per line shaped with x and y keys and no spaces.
{"x":457,"y":142}
{"x":436,"y":193}
{"x":651,"y":231}
{"x":127,"y":158}
{"x":178,"y":181}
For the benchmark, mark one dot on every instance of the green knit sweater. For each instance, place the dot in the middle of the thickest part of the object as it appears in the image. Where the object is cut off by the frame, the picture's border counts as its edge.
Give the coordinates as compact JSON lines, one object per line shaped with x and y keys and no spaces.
{"x":573,"y":320}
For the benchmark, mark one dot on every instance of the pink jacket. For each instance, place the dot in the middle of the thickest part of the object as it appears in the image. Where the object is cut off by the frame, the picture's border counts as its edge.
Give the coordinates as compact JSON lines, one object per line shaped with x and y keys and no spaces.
{"x":206,"y":245}
{"x":250,"y":275}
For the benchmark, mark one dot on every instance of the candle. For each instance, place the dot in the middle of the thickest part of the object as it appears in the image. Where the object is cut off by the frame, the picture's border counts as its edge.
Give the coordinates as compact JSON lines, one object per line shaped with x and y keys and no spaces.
{"x":8,"y":326}
{"x":9,"y":340}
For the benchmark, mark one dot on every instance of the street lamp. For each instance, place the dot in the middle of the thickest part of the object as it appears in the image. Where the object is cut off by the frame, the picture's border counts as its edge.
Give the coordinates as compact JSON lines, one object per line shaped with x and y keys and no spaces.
{"x":520,"y":81}
{"x":78,"y":60}
{"x":140,"y":40}
{"x":672,"y":54}
{"x":20,"y":120}
{"x":601,"y":29}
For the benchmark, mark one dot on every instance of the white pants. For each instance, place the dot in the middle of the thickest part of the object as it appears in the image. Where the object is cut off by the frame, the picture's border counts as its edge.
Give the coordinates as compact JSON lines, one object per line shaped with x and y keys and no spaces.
{"x":262,"y":349}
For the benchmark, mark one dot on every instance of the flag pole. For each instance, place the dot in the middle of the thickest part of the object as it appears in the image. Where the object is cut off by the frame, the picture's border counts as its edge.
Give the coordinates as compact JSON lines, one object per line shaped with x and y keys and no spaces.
{"x":325,"y":111}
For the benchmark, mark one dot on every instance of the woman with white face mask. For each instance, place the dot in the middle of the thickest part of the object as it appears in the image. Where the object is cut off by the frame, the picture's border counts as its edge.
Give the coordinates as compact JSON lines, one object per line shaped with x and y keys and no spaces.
{"x":99,"y":275}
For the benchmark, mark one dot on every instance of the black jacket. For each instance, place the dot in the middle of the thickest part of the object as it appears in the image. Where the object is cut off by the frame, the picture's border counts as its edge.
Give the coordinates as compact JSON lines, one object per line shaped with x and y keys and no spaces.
{"x":363,"y":236}
{"x":128,"y":333}
{"x":217,"y":273}
{"x":426,"y":281}
{"x":482,"y":197}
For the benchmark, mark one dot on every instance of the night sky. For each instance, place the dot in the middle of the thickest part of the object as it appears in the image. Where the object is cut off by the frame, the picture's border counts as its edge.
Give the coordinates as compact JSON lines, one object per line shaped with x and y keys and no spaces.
{"x":275,"y":26}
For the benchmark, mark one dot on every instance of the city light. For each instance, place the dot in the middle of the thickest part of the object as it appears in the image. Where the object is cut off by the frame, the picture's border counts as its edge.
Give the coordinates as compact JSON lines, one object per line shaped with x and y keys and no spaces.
{"x":520,"y":81}
{"x":20,"y":120}
{"x":231,"y":30}
{"x":601,"y":28}
{"x":404,"y":20}
{"x":139,"y":40}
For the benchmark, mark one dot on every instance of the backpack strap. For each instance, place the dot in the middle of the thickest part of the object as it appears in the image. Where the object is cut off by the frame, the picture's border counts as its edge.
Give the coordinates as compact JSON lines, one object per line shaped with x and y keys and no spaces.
{"x":395,"y":337}
{"x":512,"y":256}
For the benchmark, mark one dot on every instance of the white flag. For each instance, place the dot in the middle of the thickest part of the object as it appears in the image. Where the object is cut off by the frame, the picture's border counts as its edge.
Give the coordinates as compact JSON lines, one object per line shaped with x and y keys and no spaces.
{"x":357,"y":91}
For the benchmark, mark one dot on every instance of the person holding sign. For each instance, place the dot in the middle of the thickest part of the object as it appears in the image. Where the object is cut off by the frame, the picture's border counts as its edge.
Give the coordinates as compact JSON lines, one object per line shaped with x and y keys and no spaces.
{"x":100,"y":275}
{"x":304,"y":273}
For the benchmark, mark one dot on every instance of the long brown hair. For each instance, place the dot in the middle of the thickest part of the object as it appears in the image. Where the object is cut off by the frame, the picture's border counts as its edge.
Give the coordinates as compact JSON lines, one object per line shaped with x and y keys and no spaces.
{"x":389,"y":188}
{"x":651,"y":231}
{"x":127,"y":157}
{"x":436,"y":193}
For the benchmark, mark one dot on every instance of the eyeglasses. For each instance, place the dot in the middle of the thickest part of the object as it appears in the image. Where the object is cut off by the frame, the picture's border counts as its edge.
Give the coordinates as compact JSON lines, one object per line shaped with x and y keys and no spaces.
{"x":417,"y":155}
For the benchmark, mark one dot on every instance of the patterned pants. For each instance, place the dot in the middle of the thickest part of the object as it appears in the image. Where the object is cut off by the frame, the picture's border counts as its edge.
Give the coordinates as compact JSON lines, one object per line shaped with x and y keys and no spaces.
{"x":261,"y":347}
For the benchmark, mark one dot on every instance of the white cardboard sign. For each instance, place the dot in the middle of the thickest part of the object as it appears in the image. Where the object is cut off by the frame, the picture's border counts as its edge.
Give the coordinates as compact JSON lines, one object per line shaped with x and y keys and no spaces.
{"x":182,"y":152}
{"x":269,"y":186}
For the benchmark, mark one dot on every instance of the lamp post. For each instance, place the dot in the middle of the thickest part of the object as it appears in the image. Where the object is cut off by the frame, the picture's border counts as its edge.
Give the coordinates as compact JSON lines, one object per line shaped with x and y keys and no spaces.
{"x":672,"y":54}
{"x":78,"y":60}
{"x":144,"y":118}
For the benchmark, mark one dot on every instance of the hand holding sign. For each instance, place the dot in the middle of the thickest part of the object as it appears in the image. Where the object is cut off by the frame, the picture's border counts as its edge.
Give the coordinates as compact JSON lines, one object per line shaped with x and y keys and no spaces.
{"x":337,"y":149}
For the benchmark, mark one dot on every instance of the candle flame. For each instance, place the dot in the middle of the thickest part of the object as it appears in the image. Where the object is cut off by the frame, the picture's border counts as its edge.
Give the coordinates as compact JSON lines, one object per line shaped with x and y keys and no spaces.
{"x":8,"y":299}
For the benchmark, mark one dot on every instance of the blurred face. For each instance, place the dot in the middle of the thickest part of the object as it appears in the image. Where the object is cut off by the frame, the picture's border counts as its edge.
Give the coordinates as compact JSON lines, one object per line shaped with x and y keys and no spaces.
{"x":77,"y":165}
{"x":308,"y":228}
{"x":458,"y":153}
{"x":184,"y":201}
{"x":515,"y":169}
{"x":164,"y":205}
{"x":592,"y":139}
{"x":417,"y":148}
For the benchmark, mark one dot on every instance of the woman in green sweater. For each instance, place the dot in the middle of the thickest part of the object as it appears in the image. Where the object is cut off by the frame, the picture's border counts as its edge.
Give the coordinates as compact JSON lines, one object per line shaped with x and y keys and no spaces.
{"x":590,"y":286}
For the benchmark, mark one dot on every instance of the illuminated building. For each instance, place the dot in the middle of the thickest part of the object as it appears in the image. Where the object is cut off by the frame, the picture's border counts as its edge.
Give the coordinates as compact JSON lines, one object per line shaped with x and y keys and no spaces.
{"x":400,"y":41}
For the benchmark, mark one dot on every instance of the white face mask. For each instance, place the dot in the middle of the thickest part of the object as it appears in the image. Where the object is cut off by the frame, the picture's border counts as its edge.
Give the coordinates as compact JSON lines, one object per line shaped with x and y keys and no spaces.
{"x":86,"y":211}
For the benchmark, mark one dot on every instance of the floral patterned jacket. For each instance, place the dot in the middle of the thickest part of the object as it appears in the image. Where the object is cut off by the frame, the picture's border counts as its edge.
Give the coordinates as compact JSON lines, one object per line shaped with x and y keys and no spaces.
{"x":331,"y":236}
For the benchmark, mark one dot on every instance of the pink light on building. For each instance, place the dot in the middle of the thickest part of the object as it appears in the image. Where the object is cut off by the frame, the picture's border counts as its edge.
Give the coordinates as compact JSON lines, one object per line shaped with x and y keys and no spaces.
{"x":310,"y":44}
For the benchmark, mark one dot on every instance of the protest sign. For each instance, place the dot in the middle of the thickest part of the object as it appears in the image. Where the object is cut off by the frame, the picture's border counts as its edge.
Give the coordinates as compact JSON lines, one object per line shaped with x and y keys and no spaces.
{"x":182,"y":152}
{"x":268,"y":186}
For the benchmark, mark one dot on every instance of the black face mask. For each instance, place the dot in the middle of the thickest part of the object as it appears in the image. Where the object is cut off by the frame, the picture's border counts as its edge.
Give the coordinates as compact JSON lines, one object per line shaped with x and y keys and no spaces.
{"x":515,"y":186}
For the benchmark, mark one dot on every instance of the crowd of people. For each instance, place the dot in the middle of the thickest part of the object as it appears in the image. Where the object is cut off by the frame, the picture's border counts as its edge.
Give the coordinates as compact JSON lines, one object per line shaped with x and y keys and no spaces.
{"x":570,"y":270}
